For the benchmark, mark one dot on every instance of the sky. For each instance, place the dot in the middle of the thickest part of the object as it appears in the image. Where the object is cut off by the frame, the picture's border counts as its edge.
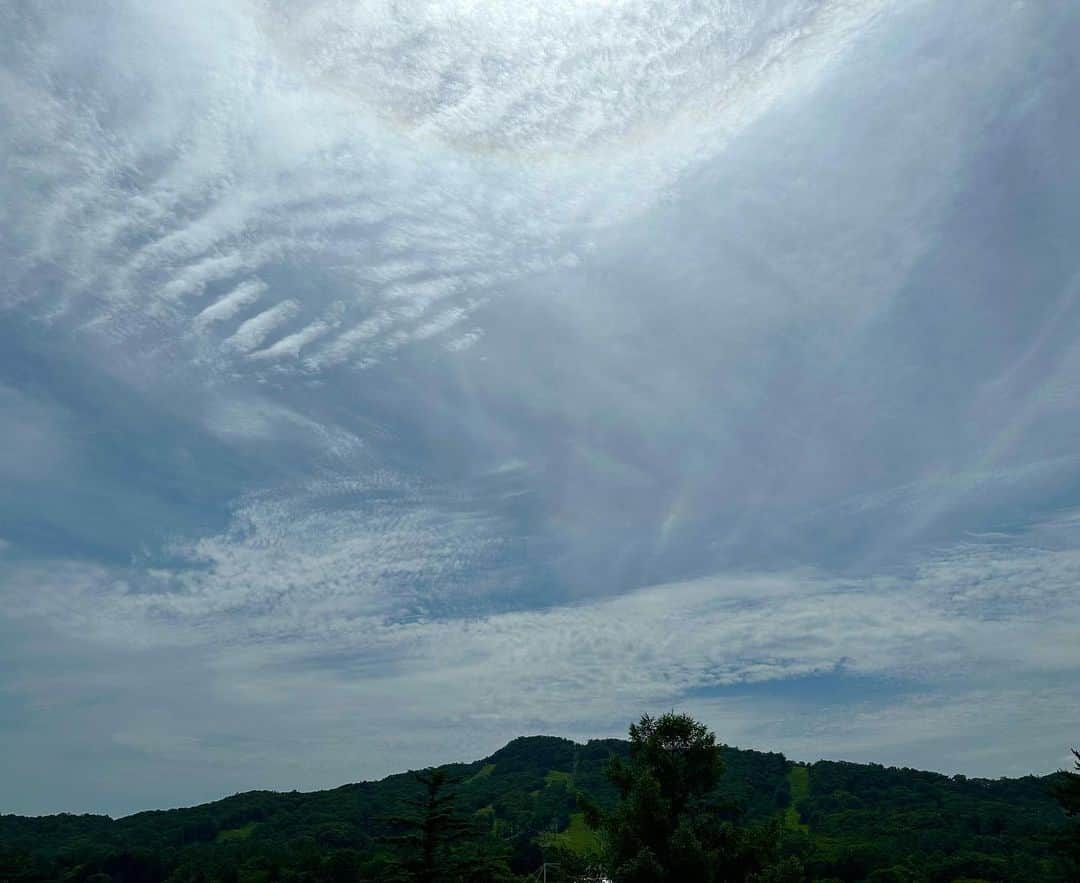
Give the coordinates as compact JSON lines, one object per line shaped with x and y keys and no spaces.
{"x":380,"y":381}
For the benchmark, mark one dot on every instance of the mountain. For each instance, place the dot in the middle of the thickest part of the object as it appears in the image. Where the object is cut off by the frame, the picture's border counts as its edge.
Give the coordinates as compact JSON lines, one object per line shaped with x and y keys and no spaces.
{"x":846,"y":821}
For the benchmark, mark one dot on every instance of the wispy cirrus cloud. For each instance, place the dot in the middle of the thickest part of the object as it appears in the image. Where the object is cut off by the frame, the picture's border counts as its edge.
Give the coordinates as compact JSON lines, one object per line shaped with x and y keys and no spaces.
{"x":443,"y":372}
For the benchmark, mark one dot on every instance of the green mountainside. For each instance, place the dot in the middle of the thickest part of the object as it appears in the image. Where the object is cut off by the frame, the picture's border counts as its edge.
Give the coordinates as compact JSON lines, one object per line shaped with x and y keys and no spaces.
{"x":845,"y":821}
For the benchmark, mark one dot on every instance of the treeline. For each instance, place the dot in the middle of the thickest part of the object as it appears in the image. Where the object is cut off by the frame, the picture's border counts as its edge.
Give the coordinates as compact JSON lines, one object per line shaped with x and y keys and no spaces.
{"x":668,"y":806}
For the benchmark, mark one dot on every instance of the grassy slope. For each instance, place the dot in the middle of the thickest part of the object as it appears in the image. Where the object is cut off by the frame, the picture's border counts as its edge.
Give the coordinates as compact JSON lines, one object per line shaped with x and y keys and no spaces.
{"x":799,"y":782}
{"x":577,"y":837}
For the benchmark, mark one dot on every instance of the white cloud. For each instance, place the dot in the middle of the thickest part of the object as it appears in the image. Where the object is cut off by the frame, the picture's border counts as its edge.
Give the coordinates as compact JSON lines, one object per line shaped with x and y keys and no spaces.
{"x":254,"y":331}
{"x":746,"y":277}
{"x":296,"y":622}
{"x":252,"y":139}
{"x":362,"y":592}
{"x":243,"y":295}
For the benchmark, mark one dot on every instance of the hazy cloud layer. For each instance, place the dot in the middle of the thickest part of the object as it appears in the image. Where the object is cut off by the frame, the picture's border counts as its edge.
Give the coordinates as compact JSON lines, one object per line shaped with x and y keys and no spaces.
{"x":383,"y":381}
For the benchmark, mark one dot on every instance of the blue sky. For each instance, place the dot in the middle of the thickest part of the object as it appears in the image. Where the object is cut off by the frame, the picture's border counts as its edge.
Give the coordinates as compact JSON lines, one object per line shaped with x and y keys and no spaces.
{"x":383,"y":381}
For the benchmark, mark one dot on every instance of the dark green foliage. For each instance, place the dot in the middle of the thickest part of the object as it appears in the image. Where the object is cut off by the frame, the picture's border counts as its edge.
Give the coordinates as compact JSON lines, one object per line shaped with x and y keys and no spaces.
{"x":428,"y":829}
{"x":437,"y":844}
{"x":867,"y":819}
{"x":669,"y":823}
{"x":1067,"y":791}
{"x":861,"y":823}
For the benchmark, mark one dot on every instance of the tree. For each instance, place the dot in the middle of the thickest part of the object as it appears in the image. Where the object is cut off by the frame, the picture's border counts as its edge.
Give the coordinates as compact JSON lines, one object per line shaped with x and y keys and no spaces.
{"x":668,"y":826}
{"x":428,"y":825}
{"x":440,"y":845}
{"x":341,"y":866}
{"x":1067,"y":792}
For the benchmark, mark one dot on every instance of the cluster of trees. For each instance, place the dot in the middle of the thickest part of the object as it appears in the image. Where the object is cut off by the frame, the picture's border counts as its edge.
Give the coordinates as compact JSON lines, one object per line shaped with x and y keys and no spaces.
{"x":668,"y":806}
{"x":669,"y":822}
{"x":668,"y":825}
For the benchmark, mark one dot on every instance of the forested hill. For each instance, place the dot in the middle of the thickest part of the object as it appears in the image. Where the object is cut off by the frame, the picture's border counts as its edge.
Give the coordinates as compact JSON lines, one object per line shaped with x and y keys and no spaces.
{"x":845,"y":821}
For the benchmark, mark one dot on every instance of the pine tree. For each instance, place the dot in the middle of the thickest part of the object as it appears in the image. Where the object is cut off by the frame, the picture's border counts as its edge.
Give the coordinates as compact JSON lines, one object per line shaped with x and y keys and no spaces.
{"x":439,"y":844}
{"x":428,"y":826}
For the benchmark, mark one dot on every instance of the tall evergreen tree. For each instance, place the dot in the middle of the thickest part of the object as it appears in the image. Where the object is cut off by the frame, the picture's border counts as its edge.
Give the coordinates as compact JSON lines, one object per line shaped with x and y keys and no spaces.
{"x":428,"y":825}
{"x":439,"y":844}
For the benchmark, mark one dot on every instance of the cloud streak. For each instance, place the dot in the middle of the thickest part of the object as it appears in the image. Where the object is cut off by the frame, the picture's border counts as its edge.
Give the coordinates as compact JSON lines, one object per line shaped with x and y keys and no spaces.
{"x":432,"y":370}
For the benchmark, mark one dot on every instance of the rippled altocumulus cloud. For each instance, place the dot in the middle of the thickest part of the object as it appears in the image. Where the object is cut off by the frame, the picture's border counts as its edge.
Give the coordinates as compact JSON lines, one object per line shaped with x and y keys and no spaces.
{"x":173,"y":170}
{"x":466,"y":370}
